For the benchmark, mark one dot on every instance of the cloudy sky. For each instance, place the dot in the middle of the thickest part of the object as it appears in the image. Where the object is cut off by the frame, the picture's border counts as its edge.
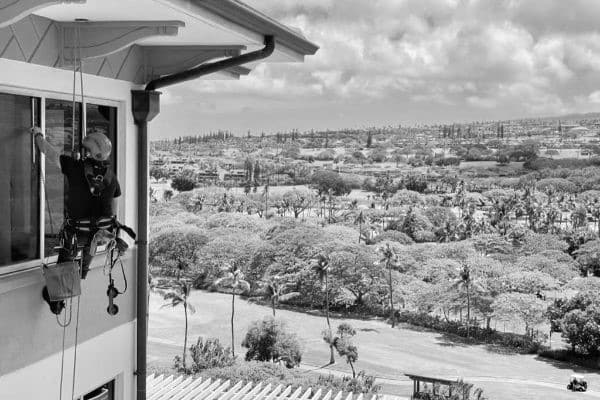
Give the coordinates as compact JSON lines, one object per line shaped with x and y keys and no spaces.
{"x":385,"y":62}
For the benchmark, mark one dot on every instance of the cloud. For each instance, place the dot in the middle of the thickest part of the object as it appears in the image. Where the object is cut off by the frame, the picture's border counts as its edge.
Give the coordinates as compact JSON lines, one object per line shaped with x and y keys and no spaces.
{"x":501,"y":57}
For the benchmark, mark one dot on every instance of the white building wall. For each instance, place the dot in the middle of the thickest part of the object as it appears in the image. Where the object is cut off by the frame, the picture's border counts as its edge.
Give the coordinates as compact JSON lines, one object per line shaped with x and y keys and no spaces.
{"x":99,"y":360}
{"x":109,"y":351}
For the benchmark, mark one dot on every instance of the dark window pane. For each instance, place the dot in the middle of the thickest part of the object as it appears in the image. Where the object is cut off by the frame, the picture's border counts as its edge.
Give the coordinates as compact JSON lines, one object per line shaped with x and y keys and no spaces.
{"x":60,"y":134}
{"x":19,"y":178}
{"x":104,"y":392}
{"x":103,"y":119}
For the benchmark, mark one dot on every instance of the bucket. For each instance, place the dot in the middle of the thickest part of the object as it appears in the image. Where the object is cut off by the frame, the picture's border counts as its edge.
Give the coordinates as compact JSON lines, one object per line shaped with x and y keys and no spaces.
{"x":62,"y":280}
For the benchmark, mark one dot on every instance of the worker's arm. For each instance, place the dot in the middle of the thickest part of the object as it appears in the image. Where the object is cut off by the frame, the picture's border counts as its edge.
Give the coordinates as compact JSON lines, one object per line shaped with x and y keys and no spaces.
{"x":44,"y":147}
{"x":115,"y":206}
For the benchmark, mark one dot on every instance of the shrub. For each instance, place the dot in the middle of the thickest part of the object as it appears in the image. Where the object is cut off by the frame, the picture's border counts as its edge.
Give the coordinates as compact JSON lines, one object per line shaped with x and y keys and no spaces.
{"x":209,"y":354}
{"x":447,"y":161}
{"x":325,"y":155}
{"x":393,"y":236}
{"x":582,"y":329}
{"x":182,"y":183}
{"x":568,"y":356}
{"x":324,"y":181}
{"x":519,"y":343}
{"x":274,"y":374}
{"x":552,"y":185}
{"x":268,"y":340}
{"x":362,"y":383}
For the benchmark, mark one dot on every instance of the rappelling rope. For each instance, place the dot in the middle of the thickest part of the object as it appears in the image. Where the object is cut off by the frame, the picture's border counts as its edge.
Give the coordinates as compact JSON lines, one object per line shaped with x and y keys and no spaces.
{"x":62,"y":360}
{"x":81,"y":260}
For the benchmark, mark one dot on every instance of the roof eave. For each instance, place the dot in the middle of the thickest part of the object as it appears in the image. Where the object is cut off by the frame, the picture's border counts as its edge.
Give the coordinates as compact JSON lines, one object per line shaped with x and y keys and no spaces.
{"x":241,"y":14}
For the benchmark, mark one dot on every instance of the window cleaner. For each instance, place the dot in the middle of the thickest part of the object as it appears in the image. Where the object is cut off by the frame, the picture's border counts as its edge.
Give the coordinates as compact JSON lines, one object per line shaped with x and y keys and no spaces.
{"x":90,"y":205}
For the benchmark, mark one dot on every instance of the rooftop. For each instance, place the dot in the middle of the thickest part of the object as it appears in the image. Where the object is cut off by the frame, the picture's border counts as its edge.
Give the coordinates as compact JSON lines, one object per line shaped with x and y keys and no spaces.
{"x":189,"y":388}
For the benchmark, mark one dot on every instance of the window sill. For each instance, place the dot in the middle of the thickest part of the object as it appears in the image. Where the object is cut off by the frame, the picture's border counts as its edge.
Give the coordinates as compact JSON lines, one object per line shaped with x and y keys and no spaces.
{"x":30,"y":273}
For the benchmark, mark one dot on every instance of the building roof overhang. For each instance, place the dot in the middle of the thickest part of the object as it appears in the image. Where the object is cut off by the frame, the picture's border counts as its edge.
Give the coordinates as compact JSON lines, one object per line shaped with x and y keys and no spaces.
{"x":140,"y":40}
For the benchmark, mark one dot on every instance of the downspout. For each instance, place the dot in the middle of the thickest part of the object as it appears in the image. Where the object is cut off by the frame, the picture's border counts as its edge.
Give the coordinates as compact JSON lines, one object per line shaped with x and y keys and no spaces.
{"x":145,"y":106}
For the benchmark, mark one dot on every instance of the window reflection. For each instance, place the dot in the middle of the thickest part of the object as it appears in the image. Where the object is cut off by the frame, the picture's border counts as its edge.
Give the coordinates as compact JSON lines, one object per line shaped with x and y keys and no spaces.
{"x":103,"y":119}
{"x":19,"y":178}
{"x":60,"y":134}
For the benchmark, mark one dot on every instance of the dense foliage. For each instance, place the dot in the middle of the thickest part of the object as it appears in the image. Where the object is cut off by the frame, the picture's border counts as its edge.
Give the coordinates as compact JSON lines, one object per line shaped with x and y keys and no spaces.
{"x":269,"y":340}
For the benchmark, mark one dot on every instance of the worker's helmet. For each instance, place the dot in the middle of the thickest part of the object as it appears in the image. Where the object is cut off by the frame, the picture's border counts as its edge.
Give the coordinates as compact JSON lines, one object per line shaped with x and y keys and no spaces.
{"x":98,"y":145}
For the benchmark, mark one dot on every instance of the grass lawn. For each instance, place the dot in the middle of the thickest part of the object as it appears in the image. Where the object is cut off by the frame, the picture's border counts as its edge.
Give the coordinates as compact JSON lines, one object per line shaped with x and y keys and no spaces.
{"x":383,"y":351}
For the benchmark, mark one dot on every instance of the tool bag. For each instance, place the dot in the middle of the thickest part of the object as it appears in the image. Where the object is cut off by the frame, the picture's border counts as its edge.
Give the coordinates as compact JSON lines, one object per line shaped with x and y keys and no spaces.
{"x":63,"y":280}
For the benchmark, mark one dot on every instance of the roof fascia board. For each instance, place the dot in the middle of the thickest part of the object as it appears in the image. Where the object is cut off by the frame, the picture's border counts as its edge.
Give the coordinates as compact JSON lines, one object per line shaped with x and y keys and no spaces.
{"x":12,"y":11}
{"x":246,"y":23}
{"x":253,"y":20}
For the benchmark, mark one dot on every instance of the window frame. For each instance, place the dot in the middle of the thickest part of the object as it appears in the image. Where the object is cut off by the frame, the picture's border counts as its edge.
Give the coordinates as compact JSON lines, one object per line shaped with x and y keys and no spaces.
{"x":42,"y":95}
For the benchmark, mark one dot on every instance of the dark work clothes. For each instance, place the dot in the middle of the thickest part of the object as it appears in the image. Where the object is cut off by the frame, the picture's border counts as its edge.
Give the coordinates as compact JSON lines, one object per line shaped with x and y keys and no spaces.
{"x":80,"y":202}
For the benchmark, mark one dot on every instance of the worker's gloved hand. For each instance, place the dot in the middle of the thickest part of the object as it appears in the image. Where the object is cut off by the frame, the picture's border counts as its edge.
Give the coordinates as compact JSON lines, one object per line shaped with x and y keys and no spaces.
{"x":35,"y":130}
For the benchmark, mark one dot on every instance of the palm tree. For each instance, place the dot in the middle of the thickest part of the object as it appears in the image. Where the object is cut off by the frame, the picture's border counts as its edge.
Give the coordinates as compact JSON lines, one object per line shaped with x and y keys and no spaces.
{"x":466,"y":281}
{"x":275,"y":291}
{"x":321,"y":269}
{"x":266,"y":194}
{"x":179,"y":294}
{"x":360,"y":220}
{"x":389,"y":257}
{"x":234,"y":280}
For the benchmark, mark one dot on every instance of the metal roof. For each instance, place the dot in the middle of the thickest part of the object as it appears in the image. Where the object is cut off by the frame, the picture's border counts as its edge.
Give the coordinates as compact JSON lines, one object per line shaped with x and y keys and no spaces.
{"x":173,"y":387}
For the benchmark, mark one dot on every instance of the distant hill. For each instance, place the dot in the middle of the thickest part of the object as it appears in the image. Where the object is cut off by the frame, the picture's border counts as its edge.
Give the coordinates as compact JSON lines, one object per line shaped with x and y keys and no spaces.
{"x":591,"y":115}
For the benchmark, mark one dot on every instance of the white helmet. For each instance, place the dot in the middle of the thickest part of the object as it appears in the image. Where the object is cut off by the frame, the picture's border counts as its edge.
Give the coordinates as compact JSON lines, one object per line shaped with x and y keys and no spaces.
{"x":98,"y":145}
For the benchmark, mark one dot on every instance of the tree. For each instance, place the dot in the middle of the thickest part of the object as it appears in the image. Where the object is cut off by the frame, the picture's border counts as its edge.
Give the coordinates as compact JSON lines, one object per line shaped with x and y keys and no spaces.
{"x":369,"y":139}
{"x":167,"y":195}
{"x":268,"y":340}
{"x":581,"y":328}
{"x":527,"y":307}
{"x":360,"y":220}
{"x":588,"y":257}
{"x":321,"y":269}
{"x":354,"y":269}
{"x":275,"y":290}
{"x":579,"y":319}
{"x":182,"y":183}
{"x":389,"y":258}
{"x":466,"y":282}
{"x":179,"y":295}
{"x":297,"y":201}
{"x":257,"y":171}
{"x":233,"y":280}
{"x":326,"y":181}
{"x":175,"y":251}
{"x":344,"y":345}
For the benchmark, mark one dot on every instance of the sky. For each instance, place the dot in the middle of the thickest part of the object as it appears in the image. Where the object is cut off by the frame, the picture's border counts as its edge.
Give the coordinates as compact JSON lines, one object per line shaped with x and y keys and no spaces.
{"x":391,"y":62}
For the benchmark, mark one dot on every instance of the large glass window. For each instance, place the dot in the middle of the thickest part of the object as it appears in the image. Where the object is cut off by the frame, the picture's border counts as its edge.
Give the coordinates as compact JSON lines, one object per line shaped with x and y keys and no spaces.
{"x":24,"y":209}
{"x":61,"y":135}
{"x":19,"y":179}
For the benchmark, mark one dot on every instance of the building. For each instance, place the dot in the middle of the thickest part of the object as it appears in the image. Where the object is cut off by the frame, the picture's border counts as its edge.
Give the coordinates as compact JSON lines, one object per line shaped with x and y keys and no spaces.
{"x":127,"y":50}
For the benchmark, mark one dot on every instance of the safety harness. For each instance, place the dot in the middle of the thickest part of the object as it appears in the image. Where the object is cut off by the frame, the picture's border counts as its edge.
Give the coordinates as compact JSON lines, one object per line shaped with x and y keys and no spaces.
{"x":97,"y":175}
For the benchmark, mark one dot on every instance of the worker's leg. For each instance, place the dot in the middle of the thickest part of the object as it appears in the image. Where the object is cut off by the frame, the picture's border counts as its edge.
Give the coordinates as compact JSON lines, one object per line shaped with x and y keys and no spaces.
{"x":86,"y":260}
{"x":84,"y":239}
